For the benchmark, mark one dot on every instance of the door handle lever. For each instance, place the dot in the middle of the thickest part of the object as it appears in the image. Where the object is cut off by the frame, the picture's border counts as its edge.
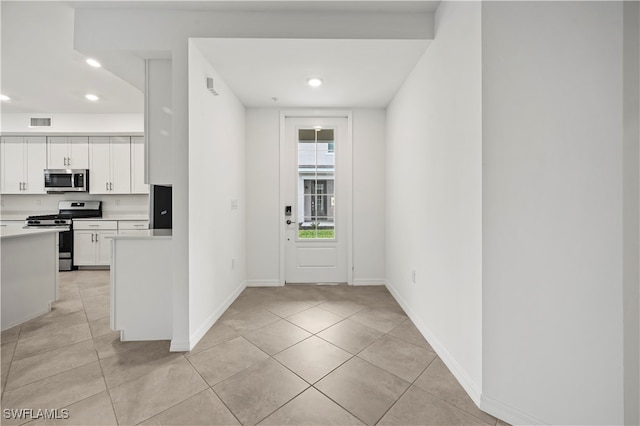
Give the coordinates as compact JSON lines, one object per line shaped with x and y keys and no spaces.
{"x":289,"y":222}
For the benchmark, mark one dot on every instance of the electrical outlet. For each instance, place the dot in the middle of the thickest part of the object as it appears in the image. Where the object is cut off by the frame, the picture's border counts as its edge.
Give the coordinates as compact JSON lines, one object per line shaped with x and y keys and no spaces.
{"x":38,"y":203}
{"x":117,"y":202}
{"x":234,"y":204}
{"x":413,"y":275}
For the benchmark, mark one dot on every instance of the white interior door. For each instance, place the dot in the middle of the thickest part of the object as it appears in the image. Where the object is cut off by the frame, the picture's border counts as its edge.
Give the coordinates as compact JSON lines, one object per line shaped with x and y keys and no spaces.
{"x":316,"y":167}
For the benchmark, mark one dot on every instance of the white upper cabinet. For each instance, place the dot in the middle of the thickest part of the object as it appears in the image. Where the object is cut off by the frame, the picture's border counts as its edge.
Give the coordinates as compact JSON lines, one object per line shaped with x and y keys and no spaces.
{"x":24,"y":159}
{"x":68,"y":152}
{"x":110,"y":165}
{"x":137,"y":166}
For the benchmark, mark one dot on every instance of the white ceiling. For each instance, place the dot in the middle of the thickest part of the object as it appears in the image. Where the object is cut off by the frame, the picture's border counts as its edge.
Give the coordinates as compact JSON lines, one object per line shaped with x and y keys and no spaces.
{"x":356,"y":73}
{"x":41,"y":72}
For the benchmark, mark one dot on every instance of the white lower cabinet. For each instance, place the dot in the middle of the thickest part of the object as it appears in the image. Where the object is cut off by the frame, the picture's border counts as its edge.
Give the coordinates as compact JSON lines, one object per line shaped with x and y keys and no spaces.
{"x":92,"y":243}
{"x":133,"y":227}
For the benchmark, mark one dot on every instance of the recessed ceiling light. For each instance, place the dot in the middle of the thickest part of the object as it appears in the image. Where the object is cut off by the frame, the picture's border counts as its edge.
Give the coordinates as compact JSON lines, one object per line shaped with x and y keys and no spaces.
{"x":93,"y":63}
{"x":5,"y":98}
{"x":91,"y":97}
{"x":314,"y":81}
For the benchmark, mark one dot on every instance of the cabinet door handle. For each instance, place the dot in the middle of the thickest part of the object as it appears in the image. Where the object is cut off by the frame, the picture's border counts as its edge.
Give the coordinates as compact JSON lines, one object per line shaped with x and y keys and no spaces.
{"x":96,"y":238}
{"x":92,"y":237}
{"x":65,"y":160}
{"x":110,"y":186}
{"x":106,"y":186}
{"x":68,"y":161}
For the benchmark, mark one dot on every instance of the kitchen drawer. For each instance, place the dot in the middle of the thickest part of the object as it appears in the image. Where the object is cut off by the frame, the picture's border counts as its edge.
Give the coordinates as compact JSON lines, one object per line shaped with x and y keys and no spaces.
{"x":95,"y":224}
{"x":128,"y":225}
{"x":12,"y":223}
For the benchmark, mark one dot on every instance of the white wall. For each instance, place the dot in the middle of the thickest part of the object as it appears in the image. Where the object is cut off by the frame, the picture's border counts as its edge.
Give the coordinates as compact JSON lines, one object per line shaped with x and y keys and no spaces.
{"x":263,"y":196}
{"x":433,"y":208}
{"x":164,"y":31}
{"x":33,"y":204}
{"x":74,"y":123}
{"x":552,"y":211}
{"x":369,"y":196}
{"x":263,"y":192}
{"x":631,"y":211}
{"x":216,"y":181}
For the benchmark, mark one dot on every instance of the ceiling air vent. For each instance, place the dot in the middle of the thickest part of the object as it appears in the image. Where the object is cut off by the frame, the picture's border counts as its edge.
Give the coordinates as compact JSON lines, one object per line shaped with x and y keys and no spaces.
{"x":40,"y":122}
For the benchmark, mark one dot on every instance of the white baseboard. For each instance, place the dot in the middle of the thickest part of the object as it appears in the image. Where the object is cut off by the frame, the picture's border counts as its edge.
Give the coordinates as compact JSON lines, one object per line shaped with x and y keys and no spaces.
{"x":195,"y":337}
{"x":469,"y":385}
{"x":486,"y":404}
{"x":179,"y":346}
{"x":264,"y":283}
{"x":508,"y":413}
{"x":369,"y":281}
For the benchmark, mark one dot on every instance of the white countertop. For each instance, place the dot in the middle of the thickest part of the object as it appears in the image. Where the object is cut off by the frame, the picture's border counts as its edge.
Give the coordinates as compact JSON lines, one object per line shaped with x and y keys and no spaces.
{"x":21,"y":232}
{"x":144,"y":235}
{"x":17,"y":215}
{"x":118,"y":216}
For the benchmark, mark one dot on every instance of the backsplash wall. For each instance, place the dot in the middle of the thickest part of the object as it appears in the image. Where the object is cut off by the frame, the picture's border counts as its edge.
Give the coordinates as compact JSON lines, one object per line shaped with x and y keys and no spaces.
{"x":48,"y":203}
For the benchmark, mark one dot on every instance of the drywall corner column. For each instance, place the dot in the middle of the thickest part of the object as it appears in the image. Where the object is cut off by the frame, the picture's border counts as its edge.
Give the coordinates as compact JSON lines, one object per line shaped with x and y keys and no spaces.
{"x":217,"y":195}
{"x":180,"y":150}
{"x":433,"y":193}
{"x":631,"y":212}
{"x":157,"y":122}
{"x":552,"y":212}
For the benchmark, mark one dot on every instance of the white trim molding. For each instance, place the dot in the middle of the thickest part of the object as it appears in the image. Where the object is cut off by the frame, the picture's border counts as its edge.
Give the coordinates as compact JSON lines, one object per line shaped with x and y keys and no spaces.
{"x":195,"y":337}
{"x":369,"y":281}
{"x":508,"y":413}
{"x":264,"y":283}
{"x":470,"y":386}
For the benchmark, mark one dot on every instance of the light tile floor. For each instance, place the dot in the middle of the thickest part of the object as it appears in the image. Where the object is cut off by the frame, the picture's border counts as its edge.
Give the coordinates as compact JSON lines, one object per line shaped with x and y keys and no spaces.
{"x":293,"y":355}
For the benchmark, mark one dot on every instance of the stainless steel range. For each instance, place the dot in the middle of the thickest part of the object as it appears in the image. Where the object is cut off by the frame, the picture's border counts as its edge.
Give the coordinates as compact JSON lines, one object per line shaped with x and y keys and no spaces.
{"x":68,"y":210}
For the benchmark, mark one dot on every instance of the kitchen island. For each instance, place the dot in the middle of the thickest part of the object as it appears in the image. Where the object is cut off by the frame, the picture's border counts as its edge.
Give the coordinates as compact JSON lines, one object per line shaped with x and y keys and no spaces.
{"x":141,"y":285}
{"x":29,"y":274}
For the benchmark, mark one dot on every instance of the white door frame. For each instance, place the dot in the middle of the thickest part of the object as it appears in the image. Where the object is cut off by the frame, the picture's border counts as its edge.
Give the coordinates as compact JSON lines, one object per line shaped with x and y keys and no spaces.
{"x":347,"y":157}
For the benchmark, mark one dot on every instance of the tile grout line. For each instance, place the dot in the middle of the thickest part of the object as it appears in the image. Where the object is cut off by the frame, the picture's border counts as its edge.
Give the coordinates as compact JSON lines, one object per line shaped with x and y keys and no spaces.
{"x":4,"y":382}
{"x":405,"y":391}
{"x":225,"y":404}
{"x":338,"y":404}
{"x":179,"y":402}
{"x":294,"y":397}
{"x":104,"y":378}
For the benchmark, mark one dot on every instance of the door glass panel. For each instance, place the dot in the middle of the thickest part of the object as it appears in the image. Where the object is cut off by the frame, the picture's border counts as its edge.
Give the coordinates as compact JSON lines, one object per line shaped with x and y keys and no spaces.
{"x":316,"y":184}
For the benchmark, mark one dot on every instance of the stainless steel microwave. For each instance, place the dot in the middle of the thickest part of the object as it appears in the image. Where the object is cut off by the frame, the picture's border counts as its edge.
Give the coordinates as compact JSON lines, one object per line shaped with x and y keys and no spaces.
{"x":66,"y":180}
